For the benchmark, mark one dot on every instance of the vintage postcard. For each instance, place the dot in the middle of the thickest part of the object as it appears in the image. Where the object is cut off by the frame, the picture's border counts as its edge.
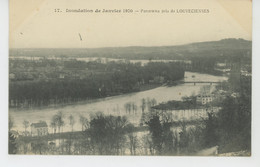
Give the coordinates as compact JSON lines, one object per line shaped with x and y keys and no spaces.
{"x":135,"y":78}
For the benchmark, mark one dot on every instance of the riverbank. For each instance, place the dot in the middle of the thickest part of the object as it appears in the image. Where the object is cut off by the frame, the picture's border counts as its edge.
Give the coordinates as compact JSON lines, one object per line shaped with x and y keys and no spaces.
{"x":214,"y":73}
{"x":60,"y":106}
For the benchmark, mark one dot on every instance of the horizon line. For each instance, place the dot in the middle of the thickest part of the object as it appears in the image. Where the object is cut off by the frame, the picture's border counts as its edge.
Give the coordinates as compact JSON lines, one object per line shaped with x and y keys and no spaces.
{"x":129,"y":46}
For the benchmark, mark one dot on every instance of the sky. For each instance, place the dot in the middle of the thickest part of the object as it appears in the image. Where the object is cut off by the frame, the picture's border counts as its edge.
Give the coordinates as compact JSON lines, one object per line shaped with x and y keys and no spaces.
{"x":34,"y":24}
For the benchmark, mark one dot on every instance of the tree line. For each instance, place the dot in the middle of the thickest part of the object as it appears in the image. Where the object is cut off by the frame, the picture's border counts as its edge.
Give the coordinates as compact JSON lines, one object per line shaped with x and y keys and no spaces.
{"x":110,"y":135}
{"x":231,"y":127}
{"x":117,"y":78}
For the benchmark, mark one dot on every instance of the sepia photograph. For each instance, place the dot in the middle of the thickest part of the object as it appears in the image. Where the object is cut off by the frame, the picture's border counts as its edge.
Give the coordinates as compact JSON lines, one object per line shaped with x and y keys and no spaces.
{"x":130,"y":78}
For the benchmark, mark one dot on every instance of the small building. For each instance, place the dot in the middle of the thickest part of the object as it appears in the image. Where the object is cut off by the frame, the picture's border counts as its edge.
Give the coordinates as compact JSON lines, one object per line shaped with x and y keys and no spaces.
{"x":157,"y":80}
{"x":12,"y":76}
{"x":61,"y":76}
{"x":39,"y":129}
{"x":42,"y":76}
{"x":245,"y":73}
{"x":204,"y":99}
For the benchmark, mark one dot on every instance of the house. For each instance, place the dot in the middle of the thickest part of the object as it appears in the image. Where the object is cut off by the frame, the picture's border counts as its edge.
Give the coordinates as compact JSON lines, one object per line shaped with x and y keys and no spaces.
{"x":157,"y":80}
{"x":245,"y":73}
{"x":61,"y":76}
{"x":204,"y":99}
{"x":42,"y":76}
{"x":39,"y":129}
{"x":12,"y":76}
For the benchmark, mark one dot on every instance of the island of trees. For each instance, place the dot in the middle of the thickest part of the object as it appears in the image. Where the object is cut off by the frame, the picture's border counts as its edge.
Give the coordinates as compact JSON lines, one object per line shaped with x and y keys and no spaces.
{"x":80,"y":81}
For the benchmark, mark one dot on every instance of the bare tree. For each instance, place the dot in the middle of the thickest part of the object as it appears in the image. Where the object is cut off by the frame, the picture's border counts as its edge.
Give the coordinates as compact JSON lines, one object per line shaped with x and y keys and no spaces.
{"x":58,"y":121}
{"x":53,"y":125}
{"x":143,"y":105}
{"x":25,"y":125}
{"x":153,"y":102}
{"x":148,"y":104}
{"x":127,"y":107}
{"x":84,"y":122}
{"x":133,"y":141}
{"x":71,"y":122}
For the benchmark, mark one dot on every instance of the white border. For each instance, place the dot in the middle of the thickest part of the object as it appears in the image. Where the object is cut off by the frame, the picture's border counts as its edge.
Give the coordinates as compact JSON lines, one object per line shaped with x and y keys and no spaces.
{"x":43,"y":161}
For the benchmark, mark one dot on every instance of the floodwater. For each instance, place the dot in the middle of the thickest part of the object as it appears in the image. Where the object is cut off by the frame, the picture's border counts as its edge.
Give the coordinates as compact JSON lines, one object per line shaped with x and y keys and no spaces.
{"x":114,"y":105}
{"x":101,"y":59}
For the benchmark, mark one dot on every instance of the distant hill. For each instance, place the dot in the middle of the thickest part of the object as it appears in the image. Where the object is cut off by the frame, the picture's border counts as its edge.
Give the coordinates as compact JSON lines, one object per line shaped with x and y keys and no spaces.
{"x":225,"y":47}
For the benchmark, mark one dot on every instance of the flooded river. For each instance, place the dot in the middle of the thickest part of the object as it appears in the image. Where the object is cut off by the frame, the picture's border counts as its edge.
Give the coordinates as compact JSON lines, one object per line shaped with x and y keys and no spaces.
{"x":114,"y":105}
{"x":101,"y":59}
